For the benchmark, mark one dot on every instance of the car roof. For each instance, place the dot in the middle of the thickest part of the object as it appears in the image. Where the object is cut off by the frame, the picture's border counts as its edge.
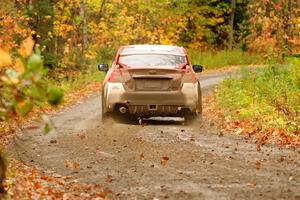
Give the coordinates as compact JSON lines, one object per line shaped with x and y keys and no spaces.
{"x":152,"y":49}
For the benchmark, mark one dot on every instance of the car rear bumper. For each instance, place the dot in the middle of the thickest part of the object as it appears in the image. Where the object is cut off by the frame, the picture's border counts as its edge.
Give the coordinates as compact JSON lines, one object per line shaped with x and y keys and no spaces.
{"x":151,"y":102}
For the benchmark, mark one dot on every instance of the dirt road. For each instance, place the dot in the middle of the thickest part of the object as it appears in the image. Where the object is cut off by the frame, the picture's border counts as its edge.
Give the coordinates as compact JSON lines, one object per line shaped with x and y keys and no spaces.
{"x":128,"y":158}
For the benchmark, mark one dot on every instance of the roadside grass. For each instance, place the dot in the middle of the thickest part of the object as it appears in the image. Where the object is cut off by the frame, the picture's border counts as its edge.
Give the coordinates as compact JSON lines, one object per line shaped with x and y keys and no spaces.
{"x":215,"y":60}
{"x":80,"y":80}
{"x":268,"y":96}
{"x":74,"y":80}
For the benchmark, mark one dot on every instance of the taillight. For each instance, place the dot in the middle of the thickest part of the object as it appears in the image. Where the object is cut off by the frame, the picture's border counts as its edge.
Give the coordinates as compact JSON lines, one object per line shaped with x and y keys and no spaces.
{"x":189,"y":77}
{"x":115,"y":77}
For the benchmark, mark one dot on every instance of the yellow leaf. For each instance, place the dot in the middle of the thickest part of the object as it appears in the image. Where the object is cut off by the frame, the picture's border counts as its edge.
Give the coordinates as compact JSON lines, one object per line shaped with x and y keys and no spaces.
{"x":10,"y":81}
{"x":26,"y":47}
{"x":5,"y":80}
{"x":19,"y":66}
{"x":14,"y":81}
{"x":5,"y":59}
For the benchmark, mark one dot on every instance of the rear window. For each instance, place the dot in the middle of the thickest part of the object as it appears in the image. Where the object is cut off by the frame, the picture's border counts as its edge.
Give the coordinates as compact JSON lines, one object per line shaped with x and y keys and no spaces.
{"x":152,"y":60}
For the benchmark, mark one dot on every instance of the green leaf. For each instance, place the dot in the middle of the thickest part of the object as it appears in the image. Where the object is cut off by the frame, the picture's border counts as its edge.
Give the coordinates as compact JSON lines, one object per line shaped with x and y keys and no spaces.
{"x":11,"y":73}
{"x":55,"y":96}
{"x":47,"y":124}
{"x":35,"y":62}
{"x":46,"y":128}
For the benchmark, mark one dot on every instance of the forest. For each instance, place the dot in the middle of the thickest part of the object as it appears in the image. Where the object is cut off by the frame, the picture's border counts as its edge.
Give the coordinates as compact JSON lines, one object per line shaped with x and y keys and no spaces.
{"x":50,"y":49}
{"x":70,"y":33}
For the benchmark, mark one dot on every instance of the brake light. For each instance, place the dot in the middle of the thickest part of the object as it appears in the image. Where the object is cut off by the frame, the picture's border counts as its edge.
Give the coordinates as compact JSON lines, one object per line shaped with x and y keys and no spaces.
{"x":115,"y":77}
{"x":188,"y":76}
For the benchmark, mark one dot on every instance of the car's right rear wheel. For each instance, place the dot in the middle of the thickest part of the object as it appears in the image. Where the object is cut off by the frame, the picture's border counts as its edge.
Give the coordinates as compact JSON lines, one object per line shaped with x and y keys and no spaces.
{"x":195,"y":117}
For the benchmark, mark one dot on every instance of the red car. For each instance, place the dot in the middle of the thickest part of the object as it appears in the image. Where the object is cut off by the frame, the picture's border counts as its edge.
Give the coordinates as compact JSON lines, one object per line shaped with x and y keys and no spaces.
{"x":151,"y":80}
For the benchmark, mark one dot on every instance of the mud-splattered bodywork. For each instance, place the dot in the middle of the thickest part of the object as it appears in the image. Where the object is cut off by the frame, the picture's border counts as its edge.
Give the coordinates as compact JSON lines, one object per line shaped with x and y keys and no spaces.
{"x":151,"y":90}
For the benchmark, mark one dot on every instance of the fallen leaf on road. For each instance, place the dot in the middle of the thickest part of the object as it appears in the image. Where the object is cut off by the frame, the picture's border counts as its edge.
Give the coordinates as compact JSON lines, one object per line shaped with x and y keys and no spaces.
{"x":82,"y":136}
{"x":104,"y":194}
{"x":164,"y":160}
{"x":109,"y":178}
{"x":238,"y":131}
{"x":72,"y":165}
{"x":142,"y":157}
{"x":251,"y":184}
{"x":257,"y":165}
{"x":281,"y":159}
{"x":258,"y":147}
{"x":32,"y":127}
{"x":229,"y":158}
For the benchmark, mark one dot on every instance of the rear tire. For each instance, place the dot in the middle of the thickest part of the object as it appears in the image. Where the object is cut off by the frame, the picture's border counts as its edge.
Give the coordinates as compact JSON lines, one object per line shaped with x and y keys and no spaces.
{"x":104,"y":114}
{"x":195,"y":117}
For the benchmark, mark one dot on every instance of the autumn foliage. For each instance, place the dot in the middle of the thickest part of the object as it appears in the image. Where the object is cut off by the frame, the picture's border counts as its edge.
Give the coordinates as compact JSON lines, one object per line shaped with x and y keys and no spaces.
{"x":43,"y":41}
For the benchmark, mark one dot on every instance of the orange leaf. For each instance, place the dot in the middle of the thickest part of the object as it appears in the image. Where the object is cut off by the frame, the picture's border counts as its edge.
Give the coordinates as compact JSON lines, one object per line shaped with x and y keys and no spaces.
{"x":164,"y":160}
{"x":81,"y":136}
{"x":26,"y":47}
{"x":109,"y":178}
{"x":5,"y":59}
{"x":281,"y":159}
{"x":142,"y":157}
{"x":257,"y":165}
{"x":19,"y":66}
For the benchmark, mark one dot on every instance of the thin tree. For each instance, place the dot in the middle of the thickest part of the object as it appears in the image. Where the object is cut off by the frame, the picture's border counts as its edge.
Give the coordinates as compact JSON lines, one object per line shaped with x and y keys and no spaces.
{"x":84,"y":25}
{"x":103,"y":2}
{"x":231,"y":24}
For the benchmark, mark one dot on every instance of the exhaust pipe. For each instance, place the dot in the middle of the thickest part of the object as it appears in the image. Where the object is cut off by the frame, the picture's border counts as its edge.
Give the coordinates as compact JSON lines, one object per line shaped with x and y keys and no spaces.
{"x":123,"y":110}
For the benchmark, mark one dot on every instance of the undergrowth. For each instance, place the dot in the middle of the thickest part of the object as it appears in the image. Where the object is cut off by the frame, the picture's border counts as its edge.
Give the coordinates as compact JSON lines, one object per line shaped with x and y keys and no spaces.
{"x":270,"y":96}
{"x":215,"y":60}
{"x":78,"y":79}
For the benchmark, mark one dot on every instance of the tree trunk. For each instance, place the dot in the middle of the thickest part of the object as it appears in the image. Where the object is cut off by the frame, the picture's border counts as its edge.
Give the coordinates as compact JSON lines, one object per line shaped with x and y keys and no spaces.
{"x":2,"y":175}
{"x":102,"y":9}
{"x":84,"y":26}
{"x":231,"y":24}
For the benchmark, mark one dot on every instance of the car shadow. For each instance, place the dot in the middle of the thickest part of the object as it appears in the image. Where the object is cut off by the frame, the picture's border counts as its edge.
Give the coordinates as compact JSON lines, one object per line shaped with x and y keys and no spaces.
{"x":163,"y":121}
{"x":153,"y":121}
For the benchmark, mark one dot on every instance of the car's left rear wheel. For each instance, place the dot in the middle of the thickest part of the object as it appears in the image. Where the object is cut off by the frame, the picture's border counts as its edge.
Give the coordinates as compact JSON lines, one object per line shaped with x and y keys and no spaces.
{"x":104,"y":114}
